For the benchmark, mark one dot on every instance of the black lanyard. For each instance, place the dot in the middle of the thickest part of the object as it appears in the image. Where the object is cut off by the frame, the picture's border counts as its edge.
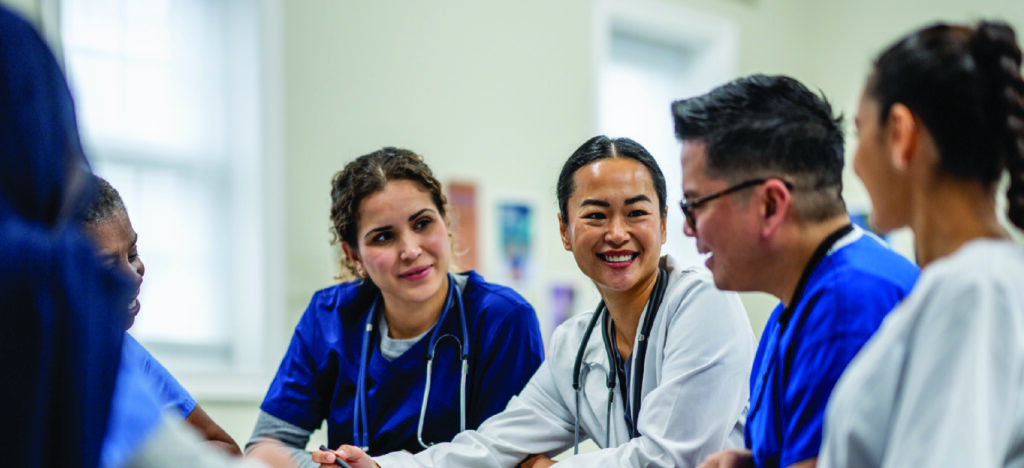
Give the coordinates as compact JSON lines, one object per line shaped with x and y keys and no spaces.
{"x":783,"y":319}
{"x":812,"y":264}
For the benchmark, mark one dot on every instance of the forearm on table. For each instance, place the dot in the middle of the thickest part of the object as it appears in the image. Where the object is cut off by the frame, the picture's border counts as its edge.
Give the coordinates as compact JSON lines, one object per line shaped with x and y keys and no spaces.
{"x":273,"y":430}
{"x":212,"y":432}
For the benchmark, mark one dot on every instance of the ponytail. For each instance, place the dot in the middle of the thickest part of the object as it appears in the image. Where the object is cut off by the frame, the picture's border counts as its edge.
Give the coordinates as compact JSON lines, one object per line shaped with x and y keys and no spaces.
{"x":997,"y":55}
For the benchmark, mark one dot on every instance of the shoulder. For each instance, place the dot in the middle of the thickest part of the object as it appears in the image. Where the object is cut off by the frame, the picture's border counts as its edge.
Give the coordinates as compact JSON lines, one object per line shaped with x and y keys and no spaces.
{"x":980,"y":262}
{"x":333,"y":310}
{"x":981,"y":279}
{"x":864,"y":264}
{"x":686,"y":279}
{"x":492,"y":299}
{"x":862,"y":279}
{"x":691,"y":291}
{"x":566,"y":338}
{"x":133,"y":351}
{"x":698,"y":316}
{"x":341,"y":294}
{"x":336,"y":302}
{"x":850,"y":293}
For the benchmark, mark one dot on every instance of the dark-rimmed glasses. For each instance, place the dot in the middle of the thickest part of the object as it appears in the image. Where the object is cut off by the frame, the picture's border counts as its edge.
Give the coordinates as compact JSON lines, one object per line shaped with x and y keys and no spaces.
{"x":689,"y":205}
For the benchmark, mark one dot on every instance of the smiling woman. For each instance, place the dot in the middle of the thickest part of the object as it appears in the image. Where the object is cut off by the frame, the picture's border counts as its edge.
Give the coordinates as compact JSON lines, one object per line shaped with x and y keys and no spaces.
{"x":107,"y":223}
{"x":402,"y":246}
{"x":409,"y":354}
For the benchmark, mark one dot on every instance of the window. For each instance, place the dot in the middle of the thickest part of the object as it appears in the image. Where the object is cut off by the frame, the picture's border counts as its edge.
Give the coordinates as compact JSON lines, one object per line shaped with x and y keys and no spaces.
{"x":173,"y":107}
{"x":653,"y":54}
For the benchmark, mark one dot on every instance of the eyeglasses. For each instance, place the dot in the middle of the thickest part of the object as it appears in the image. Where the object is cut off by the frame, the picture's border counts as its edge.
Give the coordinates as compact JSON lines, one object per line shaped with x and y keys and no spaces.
{"x":688,"y":206}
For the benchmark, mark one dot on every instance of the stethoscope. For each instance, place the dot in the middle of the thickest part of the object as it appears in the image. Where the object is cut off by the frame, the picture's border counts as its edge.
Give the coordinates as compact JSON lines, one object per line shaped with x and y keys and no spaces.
{"x":362,"y":438}
{"x":653,"y":303}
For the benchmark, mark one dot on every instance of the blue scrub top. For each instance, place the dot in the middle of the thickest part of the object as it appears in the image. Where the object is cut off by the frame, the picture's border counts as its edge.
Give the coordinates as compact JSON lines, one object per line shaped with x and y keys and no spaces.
{"x":135,"y":415}
{"x":801,"y":355}
{"x":317,"y":377}
{"x":166,"y":389}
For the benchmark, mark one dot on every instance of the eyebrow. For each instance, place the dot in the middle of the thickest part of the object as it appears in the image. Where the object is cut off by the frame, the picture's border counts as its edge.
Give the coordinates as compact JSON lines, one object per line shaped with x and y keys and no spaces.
{"x":388,"y":227}
{"x":604,"y":204}
{"x":418,"y":213}
{"x":637,"y":199}
{"x":593,"y":202}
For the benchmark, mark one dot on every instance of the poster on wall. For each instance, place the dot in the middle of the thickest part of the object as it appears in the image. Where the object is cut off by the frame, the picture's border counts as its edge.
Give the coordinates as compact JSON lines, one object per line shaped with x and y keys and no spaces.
{"x":462,"y":200}
{"x":515,"y":243}
{"x":563,"y":306}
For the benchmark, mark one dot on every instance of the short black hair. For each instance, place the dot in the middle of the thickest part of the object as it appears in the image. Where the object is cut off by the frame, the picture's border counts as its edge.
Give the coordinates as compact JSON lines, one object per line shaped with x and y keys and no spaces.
{"x":104,"y":204}
{"x":770,"y":126}
{"x":601,"y":147}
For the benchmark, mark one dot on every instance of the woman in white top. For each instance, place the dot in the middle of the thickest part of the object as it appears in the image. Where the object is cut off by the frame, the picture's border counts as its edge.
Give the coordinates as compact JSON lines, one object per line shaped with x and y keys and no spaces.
{"x":941,"y":383}
{"x":661,"y":366}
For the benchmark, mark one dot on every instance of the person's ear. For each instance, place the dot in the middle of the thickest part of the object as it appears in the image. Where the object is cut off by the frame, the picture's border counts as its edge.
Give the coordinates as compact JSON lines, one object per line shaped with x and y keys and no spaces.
{"x":776,"y":203}
{"x":353,"y":255}
{"x":664,"y":226}
{"x":563,"y":230}
{"x":902,"y":131}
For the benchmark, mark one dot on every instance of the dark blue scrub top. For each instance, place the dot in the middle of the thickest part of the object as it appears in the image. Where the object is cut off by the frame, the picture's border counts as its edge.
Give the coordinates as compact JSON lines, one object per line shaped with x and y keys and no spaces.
{"x":317,"y":377}
{"x":801,"y":355}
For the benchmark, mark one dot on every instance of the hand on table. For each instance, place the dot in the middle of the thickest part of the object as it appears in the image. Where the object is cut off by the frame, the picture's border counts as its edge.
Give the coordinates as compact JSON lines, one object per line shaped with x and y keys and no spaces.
{"x":729,"y":458}
{"x":352,"y":455}
{"x":536,"y":461}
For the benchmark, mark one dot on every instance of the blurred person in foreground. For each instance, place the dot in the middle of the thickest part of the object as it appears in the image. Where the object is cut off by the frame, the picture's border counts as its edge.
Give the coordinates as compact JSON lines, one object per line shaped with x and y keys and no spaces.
{"x":940,"y":121}
{"x":67,"y":395}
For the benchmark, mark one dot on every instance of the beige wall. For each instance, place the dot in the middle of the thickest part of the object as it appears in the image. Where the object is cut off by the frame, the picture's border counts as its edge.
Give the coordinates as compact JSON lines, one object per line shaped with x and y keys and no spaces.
{"x":494,"y":94}
{"x":501,"y":93}
{"x":27,"y":8}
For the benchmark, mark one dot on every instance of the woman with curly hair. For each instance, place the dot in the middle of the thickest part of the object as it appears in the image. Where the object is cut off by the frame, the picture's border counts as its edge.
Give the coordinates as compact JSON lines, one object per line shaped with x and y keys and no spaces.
{"x":409,"y":354}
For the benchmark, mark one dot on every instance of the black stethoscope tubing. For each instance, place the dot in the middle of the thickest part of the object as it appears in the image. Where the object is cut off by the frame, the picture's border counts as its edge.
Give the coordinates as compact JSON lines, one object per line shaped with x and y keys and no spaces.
{"x":653,"y":304}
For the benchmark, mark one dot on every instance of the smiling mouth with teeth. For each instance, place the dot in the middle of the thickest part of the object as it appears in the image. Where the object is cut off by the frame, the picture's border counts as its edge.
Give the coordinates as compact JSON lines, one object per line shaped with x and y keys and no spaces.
{"x":618,"y":258}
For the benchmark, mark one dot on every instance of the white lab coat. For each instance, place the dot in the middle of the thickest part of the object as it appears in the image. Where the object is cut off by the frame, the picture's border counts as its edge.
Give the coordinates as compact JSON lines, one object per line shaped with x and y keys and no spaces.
{"x":694,"y":395}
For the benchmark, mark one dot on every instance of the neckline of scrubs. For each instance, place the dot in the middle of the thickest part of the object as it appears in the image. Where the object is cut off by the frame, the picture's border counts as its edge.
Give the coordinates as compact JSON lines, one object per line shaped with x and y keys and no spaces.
{"x":779,"y":322}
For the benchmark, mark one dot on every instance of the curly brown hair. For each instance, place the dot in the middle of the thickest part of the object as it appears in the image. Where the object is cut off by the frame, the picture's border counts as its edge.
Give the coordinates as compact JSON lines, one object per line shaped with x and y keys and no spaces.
{"x":369,"y":174}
